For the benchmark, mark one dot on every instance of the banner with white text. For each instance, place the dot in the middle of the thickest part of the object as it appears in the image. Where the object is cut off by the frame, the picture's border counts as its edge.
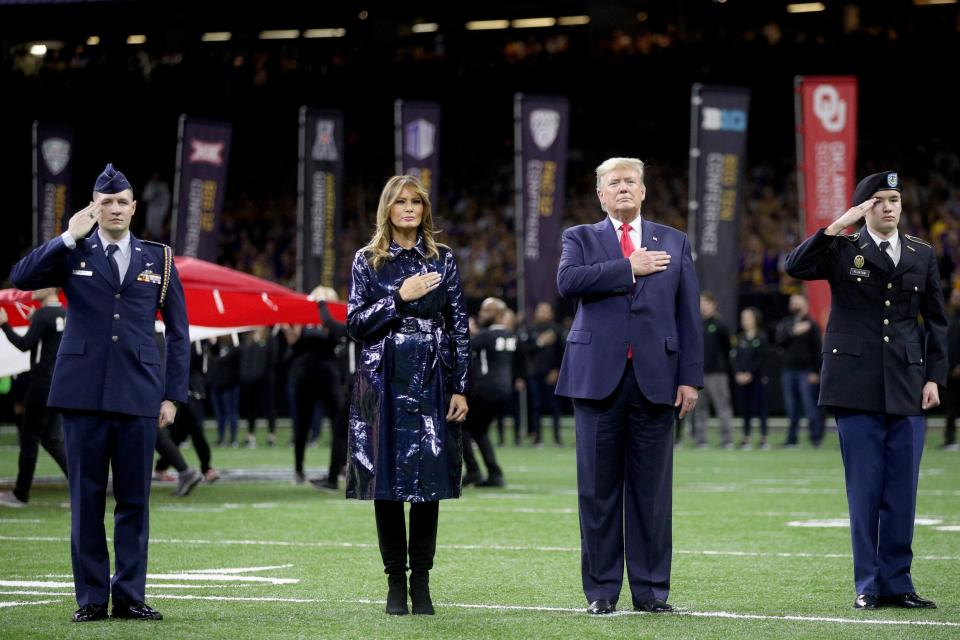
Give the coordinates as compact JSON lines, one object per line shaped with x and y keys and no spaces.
{"x":52,"y":168}
{"x":417,"y":138}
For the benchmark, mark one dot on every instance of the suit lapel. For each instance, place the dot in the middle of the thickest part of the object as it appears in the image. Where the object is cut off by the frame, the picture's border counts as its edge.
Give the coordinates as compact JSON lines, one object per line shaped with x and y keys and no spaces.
{"x":907,"y":259}
{"x":98,"y":258}
{"x":136,"y":263}
{"x":649,"y":240}
{"x":608,"y":238}
{"x":870,"y":251}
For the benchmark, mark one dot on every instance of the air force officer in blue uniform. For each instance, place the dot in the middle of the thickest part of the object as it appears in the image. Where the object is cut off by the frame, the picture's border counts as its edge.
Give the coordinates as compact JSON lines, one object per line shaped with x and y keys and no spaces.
{"x":634,"y":357}
{"x":107,"y":382}
{"x":881,"y":371}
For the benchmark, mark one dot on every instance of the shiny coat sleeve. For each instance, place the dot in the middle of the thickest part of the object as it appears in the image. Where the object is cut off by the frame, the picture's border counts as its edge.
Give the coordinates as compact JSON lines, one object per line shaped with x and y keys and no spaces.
{"x":177,"y":336}
{"x":457,"y":323}
{"x":577,"y":278}
{"x":368,"y":312}
{"x":935,"y":323}
{"x":45,"y":266}
{"x":813,"y":259}
{"x":690,"y":370}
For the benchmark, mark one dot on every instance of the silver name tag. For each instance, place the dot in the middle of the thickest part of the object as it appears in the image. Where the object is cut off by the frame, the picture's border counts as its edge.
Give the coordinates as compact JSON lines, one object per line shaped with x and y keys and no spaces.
{"x":82,"y":272}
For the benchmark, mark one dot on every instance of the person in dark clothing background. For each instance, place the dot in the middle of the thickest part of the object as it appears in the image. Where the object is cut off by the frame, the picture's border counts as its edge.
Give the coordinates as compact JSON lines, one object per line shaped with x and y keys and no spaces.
{"x":542,"y":344}
{"x":952,"y":396}
{"x":716,"y":376}
{"x":223,"y":382}
{"x":798,"y":336}
{"x":748,"y":366}
{"x":494,"y":351}
{"x":258,"y":358}
{"x":41,"y":425}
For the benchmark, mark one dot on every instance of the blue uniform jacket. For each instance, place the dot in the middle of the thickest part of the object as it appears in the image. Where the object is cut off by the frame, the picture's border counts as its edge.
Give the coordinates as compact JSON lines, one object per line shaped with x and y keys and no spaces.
{"x":108,"y":358}
{"x":659,"y":316}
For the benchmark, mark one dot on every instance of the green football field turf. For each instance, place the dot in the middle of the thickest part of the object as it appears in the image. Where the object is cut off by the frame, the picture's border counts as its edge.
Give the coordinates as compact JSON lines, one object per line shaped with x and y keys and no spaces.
{"x":267,"y":559}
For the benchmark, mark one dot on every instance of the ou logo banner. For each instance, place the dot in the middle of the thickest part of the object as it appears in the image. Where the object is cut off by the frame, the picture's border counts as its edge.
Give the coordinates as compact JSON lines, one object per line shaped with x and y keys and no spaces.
{"x":829,"y":108}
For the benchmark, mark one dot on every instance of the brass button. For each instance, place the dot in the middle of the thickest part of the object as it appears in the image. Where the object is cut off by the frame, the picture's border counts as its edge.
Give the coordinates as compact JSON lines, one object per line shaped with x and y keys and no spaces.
{"x":834,"y":350}
{"x":914,"y":288}
{"x":886,"y":302}
{"x":117,"y":296}
{"x":858,"y":279}
{"x":921,"y":360}
{"x":115,"y":338}
{"x":889,"y":285}
{"x":116,"y":316}
{"x":886,"y":321}
{"x":886,"y":338}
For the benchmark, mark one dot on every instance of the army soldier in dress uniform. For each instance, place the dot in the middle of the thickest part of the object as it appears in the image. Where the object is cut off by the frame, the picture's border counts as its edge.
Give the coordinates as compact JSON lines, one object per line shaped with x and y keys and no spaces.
{"x":107,"y":382}
{"x":881,"y":371}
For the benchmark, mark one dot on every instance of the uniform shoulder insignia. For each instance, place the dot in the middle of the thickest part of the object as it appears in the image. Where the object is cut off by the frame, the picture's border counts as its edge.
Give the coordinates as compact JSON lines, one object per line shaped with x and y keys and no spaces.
{"x":155,"y":244}
{"x":918,"y":240}
{"x":852,"y":237}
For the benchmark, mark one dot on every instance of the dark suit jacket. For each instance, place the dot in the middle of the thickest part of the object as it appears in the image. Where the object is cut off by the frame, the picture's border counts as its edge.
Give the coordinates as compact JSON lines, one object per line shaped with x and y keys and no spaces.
{"x":876,"y":356}
{"x":659,"y":316}
{"x":108,"y":358}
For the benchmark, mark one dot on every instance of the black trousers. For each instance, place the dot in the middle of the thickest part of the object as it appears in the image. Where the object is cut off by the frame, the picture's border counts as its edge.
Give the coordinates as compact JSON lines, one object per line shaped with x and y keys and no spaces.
{"x":189,"y":423}
{"x":257,"y":401}
{"x":338,"y":448}
{"x":41,"y":426}
{"x":478,"y":426}
{"x":392,"y":535}
{"x":312,"y":384}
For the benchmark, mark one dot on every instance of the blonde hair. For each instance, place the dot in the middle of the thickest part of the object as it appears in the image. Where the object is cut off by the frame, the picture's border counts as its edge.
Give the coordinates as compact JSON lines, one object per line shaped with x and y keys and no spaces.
{"x":608,"y":165}
{"x":378,"y":249}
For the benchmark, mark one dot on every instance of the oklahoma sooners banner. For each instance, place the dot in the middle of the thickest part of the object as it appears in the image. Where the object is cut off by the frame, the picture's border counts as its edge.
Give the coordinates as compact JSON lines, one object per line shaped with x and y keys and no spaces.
{"x":52,"y":165}
{"x":203,"y":149}
{"x":417,"y":137}
{"x":718,"y":151}
{"x":319,"y":199}
{"x":826,"y":111}
{"x":541,"y":125}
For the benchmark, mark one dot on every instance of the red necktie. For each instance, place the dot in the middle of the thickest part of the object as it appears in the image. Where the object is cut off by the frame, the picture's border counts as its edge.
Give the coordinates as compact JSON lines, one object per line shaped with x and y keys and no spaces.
{"x":626,"y":246}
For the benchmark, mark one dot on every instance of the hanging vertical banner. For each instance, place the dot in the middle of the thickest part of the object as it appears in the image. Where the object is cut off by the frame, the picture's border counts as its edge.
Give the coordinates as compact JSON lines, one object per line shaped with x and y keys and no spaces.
{"x":52,"y":168}
{"x":417,"y":143}
{"x":718,"y":150}
{"x":319,"y":199}
{"x":826,"y":113}
{"x":541,"y":125}
{"x":203,"y":150}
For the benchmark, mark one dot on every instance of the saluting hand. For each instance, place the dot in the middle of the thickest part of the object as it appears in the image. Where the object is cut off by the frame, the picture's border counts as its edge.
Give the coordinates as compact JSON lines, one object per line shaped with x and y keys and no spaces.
{"x":930,"y":397}
{"x":82,"y":221}
{"x":852,"y":216}
{"x":645,"y":262}
{"x":415,"y":287}
{"x":168,"y":412}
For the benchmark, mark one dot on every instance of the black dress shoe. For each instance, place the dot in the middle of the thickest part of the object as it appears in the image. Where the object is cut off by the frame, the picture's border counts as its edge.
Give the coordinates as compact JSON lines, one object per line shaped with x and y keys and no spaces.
{"x":601,"y":607}
{"x":135,"y":611}
{"x":908,"y":601}
{"x":90,"y":612}
{"x":866,"y":601}
{"x":654,"y":605}
{"x":493,"y":481}
{"x":471,"y":478}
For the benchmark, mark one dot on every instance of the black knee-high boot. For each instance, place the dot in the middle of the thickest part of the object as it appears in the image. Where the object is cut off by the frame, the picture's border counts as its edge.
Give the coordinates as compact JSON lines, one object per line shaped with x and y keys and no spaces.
{"x":423,"y":546}
{"x":391,"y":533}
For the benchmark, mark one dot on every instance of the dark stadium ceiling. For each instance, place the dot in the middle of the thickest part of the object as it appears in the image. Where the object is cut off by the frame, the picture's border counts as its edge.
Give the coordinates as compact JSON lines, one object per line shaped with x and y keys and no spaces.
{"x":23,"y":20}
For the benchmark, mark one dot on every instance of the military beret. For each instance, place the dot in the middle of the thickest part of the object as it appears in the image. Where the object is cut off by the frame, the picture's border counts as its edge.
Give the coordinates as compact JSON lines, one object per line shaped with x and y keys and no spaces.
{"x":111,"y":181}
{"x":876,"y":182}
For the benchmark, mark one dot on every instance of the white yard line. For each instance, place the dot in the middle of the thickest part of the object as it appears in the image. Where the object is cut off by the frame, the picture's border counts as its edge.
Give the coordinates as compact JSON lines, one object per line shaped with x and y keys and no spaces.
{"x":4,"y":605}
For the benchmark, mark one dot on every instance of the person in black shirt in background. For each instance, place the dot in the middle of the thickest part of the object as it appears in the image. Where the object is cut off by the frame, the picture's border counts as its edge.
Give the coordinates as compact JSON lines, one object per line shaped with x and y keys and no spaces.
{"x":716,"y":376}
{"x":41,"y":426}
{"x":494,"y":352}
{"x":952,"y":396}
{"x":748,"y":366}
{"x":798,"y":335}
{"x":258,"y":357}
{"x":542,"y":344}
{"x":223,"y":383}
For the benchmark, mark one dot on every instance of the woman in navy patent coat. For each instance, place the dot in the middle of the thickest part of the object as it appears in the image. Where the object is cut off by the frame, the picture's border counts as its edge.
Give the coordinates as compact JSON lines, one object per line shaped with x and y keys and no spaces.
{"x":407,"y":309}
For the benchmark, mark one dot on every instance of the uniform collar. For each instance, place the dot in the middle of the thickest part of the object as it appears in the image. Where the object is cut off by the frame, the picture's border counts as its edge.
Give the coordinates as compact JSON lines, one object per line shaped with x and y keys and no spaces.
{"x":894,"y":240}
{"x":395,"y":249}
{"x":123,"y":244}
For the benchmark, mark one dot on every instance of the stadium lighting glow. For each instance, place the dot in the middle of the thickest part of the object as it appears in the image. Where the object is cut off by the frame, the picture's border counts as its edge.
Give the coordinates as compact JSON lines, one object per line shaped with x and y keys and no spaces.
{"x":533,"y":23}
{"x":425,"y":27}
{"x":136,"y":39}
{"x":38,"y":50}
{"x":572,"y":21}
{"x":93,"y":41}
{"x":216,"y":36}
{"x":483,"y":25}
{"x":929,"y":3}
{"x":806,"y":7}
{"x":279,"y":34}
{"x":325,"y":33}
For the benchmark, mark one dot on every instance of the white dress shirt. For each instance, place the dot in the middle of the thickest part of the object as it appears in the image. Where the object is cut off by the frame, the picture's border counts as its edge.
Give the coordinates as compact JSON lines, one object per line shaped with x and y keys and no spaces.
{"x":893,"y":250}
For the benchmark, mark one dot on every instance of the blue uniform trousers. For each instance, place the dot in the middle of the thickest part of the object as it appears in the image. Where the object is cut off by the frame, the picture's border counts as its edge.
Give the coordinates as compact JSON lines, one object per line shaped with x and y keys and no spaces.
{"x":881,"y":462}
{"x":95,"y":443}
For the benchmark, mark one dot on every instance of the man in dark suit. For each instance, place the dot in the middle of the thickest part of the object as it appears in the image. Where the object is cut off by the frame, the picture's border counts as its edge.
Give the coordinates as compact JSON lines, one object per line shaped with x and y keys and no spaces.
{"x":634,"y":356}
{"x":108,"y":384}
{"x":880,"y":372}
